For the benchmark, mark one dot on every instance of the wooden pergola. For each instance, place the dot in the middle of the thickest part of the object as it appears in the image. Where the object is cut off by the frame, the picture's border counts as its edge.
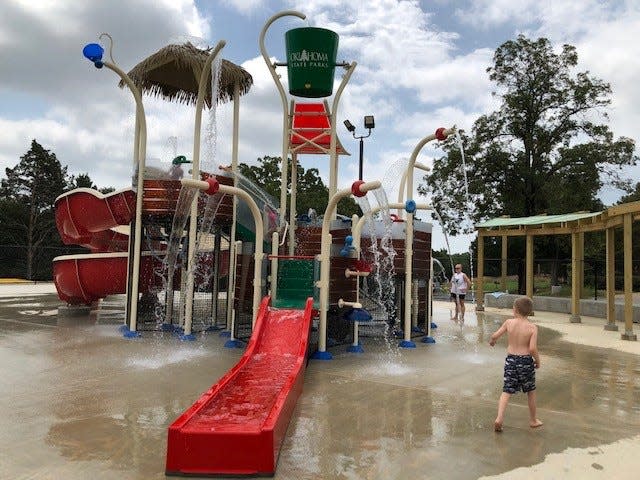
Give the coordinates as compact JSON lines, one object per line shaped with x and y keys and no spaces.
{"x":574,"y":224}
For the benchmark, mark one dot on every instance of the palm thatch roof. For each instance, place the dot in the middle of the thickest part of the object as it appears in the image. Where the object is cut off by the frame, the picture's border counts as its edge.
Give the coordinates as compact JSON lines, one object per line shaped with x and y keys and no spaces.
{"x":173,"y":73}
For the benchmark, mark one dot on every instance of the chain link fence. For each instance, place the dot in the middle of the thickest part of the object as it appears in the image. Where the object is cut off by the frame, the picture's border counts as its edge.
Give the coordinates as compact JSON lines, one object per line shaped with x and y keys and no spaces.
{"x":552,"y":277}
{"x":14,"y":261}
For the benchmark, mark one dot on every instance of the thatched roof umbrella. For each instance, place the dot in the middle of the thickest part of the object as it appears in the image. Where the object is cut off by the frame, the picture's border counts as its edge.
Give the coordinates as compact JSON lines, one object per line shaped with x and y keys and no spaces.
{"x":173,"y":73}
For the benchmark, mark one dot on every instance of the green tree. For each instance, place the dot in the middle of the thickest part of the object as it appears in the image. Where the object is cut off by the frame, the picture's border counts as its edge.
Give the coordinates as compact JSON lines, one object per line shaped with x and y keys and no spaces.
{"x":311,"y":190}
{"x":83,"y":180}
{"x":631,"y":196}
{"x":29,"y":193}
{"x":544,"y":150}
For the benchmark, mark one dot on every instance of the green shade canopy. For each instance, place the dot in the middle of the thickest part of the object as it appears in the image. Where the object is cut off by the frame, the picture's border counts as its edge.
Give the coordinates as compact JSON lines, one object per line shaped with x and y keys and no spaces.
{"x":536,"y":220}
{"x":173,"y":73}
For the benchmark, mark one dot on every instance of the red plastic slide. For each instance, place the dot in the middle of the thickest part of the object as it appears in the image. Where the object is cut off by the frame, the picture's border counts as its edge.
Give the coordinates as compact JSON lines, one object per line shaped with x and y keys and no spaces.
{"x":101,"y":223}
{"x":237,"y":426}
{"x":85,"y":278}
{"x":85,"y":217}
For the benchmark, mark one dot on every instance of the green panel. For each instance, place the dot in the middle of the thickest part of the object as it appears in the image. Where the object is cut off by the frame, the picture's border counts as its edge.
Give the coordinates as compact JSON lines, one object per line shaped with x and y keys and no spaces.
{"x":244,"y":234}
{"x":311,"y":60}
{"x":534,"y":220}
{"x":295,"y":283}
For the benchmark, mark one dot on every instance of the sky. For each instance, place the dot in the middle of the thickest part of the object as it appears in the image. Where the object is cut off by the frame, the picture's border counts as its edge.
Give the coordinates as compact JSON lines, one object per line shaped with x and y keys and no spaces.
{"x":421,"y":65}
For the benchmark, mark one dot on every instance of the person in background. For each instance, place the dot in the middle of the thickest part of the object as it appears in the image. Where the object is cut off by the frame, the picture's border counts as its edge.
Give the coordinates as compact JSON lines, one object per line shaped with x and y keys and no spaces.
{"x":460,"y":284}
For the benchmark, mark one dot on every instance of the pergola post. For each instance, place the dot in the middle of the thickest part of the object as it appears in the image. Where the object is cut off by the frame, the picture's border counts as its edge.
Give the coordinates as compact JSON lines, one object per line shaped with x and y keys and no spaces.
{"x":480,"y":276}
{"x":529,"y":266}
{"x":611,"y":280}
{"x":581,"y":261}
{"x":503,"y":263}
{"x":628,"y":278}
{"x":575,"y":278}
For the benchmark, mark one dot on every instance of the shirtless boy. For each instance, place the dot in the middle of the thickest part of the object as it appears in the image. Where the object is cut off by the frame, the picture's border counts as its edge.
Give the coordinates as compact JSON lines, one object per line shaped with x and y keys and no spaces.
{"x":522,"y":360}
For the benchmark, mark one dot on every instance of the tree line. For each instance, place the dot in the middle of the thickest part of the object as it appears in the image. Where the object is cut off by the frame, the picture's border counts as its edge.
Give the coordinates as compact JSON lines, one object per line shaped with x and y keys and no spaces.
{"x":29,"y":239}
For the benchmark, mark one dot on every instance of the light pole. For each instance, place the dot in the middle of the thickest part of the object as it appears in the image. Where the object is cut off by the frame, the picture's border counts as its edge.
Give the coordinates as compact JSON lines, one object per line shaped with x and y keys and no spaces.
{"x":369,"y":123}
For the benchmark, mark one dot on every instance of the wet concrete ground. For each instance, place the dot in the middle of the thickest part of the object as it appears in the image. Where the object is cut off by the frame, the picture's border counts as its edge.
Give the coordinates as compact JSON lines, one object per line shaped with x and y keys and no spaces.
{"x":80,"y":402}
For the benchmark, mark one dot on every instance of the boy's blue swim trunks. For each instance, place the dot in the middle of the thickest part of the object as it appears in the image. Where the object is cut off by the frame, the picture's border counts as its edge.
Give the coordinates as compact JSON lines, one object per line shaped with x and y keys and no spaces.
{"x":519,"y":374}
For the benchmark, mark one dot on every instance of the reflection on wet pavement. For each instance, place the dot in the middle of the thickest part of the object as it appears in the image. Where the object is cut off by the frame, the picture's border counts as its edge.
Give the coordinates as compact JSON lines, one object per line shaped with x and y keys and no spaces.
{"x":86,"y":403}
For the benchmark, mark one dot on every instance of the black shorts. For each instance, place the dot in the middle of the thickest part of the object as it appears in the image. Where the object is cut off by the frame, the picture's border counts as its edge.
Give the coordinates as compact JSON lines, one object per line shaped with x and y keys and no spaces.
{"x":519,"y":374}
{"x":457,"y":295}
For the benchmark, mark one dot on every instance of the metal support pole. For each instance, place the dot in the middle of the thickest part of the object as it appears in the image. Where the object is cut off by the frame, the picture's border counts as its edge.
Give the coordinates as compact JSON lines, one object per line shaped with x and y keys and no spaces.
{"x":231,"y":283}
{"x":628,"y":278}
{"x":575,"y":279}
{"x":503,"y":263}
{"x":195,"y":170}
{"x":274,"y":267}
{"x":294,"y":200}
{"x":480,"y":276}
{"x":140,"y":147}
{"x":333,"y":145}
{"x":361,"y":158}
{"x":529,"y":266}
{"x":408,"y":270}
{"x":611,"y":280}
{"x":216,"y":274}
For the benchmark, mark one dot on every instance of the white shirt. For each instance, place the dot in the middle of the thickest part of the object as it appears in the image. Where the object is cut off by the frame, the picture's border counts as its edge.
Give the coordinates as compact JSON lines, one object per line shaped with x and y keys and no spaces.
{"x":458,"y":284}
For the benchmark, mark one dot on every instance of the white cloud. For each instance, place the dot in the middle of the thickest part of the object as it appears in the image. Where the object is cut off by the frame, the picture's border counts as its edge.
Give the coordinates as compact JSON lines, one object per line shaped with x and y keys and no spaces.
{"x":74,"y":109}
{"x":245,"y":7}
{"x":607,"y":48}
{"x":484,"y":14}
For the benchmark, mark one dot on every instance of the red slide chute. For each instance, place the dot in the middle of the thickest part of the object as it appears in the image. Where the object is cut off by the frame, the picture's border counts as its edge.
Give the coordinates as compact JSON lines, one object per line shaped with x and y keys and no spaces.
{"x":237,"y":426}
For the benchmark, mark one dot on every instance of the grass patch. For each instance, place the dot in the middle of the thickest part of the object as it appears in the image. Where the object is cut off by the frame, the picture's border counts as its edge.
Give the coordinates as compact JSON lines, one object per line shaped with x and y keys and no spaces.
{"x":541,"y":286}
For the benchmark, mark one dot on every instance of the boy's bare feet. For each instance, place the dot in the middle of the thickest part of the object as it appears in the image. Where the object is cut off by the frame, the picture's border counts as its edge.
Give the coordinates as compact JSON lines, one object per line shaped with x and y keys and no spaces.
{"x":535,"y":424}
{"x":497,"y":426}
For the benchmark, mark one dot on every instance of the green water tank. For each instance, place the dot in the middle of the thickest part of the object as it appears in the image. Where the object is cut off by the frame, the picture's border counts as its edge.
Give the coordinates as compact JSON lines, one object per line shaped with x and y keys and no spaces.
{"x":311,"y":61}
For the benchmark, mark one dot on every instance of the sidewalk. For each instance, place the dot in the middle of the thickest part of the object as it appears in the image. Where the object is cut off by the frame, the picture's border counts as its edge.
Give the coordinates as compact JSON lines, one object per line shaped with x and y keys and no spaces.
{"x":14,"y":287}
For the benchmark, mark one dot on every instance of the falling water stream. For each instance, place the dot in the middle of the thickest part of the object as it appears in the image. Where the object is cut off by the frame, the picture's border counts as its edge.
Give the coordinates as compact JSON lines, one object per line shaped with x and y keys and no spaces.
{"x":196,"y":266}
{"x":387,"y":280}
{"x":175,"y":245}
{"x":383,"y":273}
{"x":468,"y":205}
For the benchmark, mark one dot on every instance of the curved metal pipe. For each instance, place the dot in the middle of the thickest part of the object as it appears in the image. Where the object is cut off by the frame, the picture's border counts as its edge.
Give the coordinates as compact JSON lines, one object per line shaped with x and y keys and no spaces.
{"x":403,"y":181}
{"x":323,"y":284}
{"x":285,"y":107}
{"x":356,"y":229}
{"x":408,"y":258}
{"x":140,"y":152}
{"x":259,"y":242}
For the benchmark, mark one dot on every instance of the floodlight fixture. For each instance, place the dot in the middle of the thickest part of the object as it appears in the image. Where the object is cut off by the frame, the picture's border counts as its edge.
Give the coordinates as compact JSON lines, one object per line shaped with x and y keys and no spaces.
{"x":349,"y":126}
{"x":369,"y":122}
